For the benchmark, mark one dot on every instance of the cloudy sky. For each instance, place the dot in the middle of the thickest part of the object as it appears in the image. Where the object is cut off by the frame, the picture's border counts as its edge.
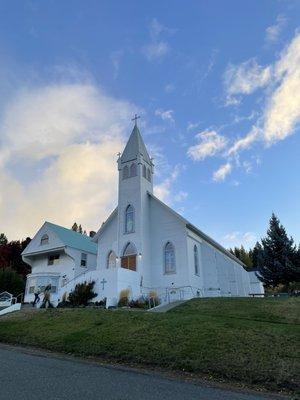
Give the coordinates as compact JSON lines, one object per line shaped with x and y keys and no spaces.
{"x":217,"y":85}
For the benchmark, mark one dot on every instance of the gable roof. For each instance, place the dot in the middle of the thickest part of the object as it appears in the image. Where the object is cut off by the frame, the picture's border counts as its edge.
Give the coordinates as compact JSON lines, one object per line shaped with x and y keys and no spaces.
{"x":104,"y":224}
{"x":73,"y":239}
{"x":134,"y":147}
{"x":198,"y":231}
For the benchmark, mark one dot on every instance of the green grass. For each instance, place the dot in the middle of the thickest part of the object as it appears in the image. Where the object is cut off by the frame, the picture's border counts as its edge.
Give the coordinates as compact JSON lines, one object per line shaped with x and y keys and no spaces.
{"x":251,"y":341}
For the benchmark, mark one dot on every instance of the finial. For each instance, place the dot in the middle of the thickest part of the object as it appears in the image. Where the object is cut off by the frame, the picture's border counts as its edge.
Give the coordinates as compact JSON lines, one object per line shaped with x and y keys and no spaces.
{"x":136,"y":117}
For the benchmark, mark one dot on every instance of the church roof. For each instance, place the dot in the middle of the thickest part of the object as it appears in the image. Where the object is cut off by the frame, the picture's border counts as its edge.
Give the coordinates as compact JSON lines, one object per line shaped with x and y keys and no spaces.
{"x":73,"y":239}
{"x":134,"y":147}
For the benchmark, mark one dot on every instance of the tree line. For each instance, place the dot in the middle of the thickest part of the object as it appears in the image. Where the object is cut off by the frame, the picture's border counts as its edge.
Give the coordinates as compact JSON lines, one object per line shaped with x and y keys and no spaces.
{"x":276,"y":258}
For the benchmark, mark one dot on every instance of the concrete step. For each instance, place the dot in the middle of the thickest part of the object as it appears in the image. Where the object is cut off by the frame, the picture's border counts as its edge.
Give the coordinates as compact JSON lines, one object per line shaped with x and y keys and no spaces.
{"x":166,"y":307}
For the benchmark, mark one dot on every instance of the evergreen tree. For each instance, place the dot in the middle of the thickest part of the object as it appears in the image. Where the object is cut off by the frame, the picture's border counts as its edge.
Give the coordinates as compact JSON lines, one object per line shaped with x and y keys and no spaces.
{"x":243,"y":255}
{"x":277,"y":264}
{"x":75,"y":227}
{"x":80,"y":229}
{"x":3,"y":239}
{"x":256,"y":255}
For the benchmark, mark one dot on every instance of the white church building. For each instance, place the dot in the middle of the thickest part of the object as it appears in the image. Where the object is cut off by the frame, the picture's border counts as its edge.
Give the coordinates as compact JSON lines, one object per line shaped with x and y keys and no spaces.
{"x":144,"y":246}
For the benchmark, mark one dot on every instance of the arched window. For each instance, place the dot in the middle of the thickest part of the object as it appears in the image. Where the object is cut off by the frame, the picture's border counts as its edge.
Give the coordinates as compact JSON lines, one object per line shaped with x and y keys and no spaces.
{"x":133,"y":171}
{"x":111,"y":260}
{"x":149,"y":175}
{"x":196,"y":260}
{"x":44,"y":239}
{"x":144,"y":171}
{"x":128,"y":260}
{"x":125,"y":172}
{"x":129,"y":219}
{"x":169,"y":258}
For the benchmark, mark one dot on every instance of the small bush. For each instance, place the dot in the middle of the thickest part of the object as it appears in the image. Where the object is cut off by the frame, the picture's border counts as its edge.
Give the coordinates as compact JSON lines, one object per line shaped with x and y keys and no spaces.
{"x":82,"y":294}
{"x":124,"y":298}
{"x":139,"y":303}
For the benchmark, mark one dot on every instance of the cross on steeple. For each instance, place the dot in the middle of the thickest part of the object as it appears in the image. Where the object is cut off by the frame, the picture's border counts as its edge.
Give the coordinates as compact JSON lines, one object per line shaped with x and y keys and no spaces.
{"x":136,"y":117}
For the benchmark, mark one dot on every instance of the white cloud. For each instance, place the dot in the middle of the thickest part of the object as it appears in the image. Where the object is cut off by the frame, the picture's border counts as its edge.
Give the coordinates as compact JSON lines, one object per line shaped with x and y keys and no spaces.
{"x":273,"y":31}
{"x":180,"y":196}
{"x":165,"y":115}
{"x":158,"y":47}
{"x":237,"y":238}
{"x":156,"y":50}
{"x":66,"y":137}
{"x":210,"y":144}
{"x":169,"y":88}
{"x":222,"y":172}
{"x":164,"y":190}
{"x":245,"y":78}
{"x":245,"y":142}
{"x":281,"y":114}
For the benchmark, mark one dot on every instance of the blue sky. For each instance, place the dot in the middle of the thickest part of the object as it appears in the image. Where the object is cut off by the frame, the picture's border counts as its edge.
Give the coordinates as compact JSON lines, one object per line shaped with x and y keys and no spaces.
{"x":217,"y":85}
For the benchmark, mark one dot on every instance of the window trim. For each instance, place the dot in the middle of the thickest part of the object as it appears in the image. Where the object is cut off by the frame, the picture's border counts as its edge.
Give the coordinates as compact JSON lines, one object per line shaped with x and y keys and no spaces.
{"x":44,"y":237}
{"x":173,"y":271}
{"x":133,"y":219}
{"x":107,"y":259}
{"x":196,"y":260}
{"x":127,"y":174}
{"x":84,"y":258}
{"x":53,"y":258}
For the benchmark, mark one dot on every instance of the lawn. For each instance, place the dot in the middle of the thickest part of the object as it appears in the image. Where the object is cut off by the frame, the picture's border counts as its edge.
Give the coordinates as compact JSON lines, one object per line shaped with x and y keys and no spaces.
{"x":250,"y":341}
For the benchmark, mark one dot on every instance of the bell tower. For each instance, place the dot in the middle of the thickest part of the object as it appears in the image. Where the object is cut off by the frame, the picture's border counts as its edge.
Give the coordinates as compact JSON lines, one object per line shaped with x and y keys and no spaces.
{"x":135,"y":183}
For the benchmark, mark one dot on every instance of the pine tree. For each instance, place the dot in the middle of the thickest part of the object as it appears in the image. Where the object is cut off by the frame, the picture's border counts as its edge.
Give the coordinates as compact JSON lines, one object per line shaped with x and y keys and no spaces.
{"x":256,"y":255}
{"x":80,"y":229}
{"x":277,"y":265}
{"x":3,"y":239}
{"x":75,"y":227}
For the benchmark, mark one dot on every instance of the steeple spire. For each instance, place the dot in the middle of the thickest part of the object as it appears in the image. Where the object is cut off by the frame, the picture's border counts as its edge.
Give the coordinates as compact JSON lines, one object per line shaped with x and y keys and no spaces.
{"x":135,"y":146}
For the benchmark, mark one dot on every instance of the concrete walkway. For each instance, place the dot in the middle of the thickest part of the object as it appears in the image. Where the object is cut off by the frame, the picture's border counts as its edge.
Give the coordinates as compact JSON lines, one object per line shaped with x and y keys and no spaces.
{"x":166,"y":307}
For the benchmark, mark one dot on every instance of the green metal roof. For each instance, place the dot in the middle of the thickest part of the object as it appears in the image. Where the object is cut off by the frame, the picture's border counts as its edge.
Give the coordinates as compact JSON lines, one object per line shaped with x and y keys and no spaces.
{"x":74,"y":239}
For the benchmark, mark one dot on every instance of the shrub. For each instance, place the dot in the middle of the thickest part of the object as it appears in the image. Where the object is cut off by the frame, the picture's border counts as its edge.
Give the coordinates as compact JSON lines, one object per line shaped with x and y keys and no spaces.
{"x":82,"y":294}
{"x":11,"y":282}
{"x":139,"y":303}
{"x":124,"y":298}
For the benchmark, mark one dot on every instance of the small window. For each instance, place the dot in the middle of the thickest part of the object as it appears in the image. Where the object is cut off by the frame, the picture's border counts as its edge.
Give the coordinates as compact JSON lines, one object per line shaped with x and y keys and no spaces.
{"x":196,"y":260}
{"x":53,"y":289}
{"x":133,"y":170}
{"x":169,"y":258}
{"x":149,"y":174}
{"x":129,"y":219}
{"x":44,"y":239}
{"x":53,"y":259}
{"x":111,"y":260}
{"x":83,"y":260}
{"x":31,"y":289}
{"x":144,"y":171}
{"x":125,"y":172}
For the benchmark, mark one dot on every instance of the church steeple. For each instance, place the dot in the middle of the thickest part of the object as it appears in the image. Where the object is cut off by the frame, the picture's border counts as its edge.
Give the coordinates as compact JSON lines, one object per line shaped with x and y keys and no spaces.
{"x":135,"y":147}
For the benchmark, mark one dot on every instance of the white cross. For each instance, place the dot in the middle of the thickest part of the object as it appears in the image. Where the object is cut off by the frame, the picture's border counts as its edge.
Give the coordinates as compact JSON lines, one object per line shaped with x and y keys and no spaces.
{"x":103,"y":283}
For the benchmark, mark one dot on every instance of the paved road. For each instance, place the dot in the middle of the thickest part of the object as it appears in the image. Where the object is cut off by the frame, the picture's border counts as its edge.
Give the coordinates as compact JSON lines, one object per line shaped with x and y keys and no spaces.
{"x":35,"y":376}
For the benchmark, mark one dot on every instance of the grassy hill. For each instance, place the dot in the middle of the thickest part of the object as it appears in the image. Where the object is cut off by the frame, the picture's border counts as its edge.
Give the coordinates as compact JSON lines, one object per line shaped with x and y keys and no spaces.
{"x":251,"y":341}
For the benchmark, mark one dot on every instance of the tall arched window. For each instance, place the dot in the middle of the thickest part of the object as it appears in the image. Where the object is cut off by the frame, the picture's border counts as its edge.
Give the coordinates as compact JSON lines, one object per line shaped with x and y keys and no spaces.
{"x":125,"y":172}
{"x":133,"y":171}
{"x":144,"y":171}
{"x":129,"y":219}
{"x":196,"y":260}
{"x":169,"y":258}
{"x":149,"y":175}
{"x":128,"y":260}
{"x":44,"y":239}
{"x":111,"y":260}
